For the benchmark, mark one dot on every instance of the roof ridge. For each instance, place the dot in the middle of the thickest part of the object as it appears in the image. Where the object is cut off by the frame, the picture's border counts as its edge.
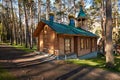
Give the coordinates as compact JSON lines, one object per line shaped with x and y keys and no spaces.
{"x":67,"y":29}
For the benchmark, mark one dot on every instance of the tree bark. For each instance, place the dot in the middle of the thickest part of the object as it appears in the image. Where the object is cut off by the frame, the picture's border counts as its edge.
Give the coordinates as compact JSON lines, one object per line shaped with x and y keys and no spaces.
{"x":47,"y":9}
{"x":20,"y":23}
{"x":27,"y":36}
{"x":103,"y":26}
{"x":31,"y":25}
{"x":109,"y":28}
{"x":39,"y":10}
{"x":13,"y":21}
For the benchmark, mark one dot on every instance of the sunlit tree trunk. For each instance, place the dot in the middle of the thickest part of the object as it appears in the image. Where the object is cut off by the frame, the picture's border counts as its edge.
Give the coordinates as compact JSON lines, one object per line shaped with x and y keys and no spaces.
{"x":31,"y":24}
{"x":39,"y":10}
{"x":109,"y":28}
{"x":115,"y":20}
{"x":103,"y":26}
{"x":0,"y":28}
{"x":60,"y":5}
{"x":13,"y":23}
{"x":74,"y":6}
{"x":47,"y":9}
{"x":16,"y":28}
{"x":76,"y":23}
{"x":11,"y":30}
{"x":20,"y":23}
{"x":2,"y":21}
{"x":27,"y":36}
{"x":7,"y":22}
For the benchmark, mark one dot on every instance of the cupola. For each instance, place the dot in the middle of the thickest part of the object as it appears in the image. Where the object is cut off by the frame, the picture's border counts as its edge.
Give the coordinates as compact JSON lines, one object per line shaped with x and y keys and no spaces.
{"x":71,"y":20}
{"x":51,"y":16}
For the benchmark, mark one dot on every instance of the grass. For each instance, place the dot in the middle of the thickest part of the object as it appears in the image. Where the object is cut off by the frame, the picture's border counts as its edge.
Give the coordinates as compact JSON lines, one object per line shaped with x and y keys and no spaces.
{"x":5,"y":75}
{"x":98,"y":62}
{"x":23,"y":48}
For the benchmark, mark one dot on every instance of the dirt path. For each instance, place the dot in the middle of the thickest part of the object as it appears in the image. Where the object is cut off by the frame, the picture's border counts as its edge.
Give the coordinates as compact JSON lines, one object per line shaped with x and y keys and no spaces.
{"x":52,"y":70}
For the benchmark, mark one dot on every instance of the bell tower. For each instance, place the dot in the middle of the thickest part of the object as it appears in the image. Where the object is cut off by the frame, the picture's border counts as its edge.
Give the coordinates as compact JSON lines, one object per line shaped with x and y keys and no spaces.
{"x":81,"y":19}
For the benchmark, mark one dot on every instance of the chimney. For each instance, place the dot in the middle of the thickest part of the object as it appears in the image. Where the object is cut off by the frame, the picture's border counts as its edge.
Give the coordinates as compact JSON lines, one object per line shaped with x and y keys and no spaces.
{"x":71,"y":20}
{"x":51,"y":16}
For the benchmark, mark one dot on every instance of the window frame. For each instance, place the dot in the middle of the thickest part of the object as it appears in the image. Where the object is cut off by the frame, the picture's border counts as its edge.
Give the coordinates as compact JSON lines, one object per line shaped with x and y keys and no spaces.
{"x":93,"y":43}
{"x":66,"y":45}
{"x":87,"y":43}
{"x":82,"y":46}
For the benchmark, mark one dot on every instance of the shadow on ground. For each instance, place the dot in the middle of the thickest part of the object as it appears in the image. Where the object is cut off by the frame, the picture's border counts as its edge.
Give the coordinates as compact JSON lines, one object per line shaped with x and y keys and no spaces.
{"x":52,"y":70}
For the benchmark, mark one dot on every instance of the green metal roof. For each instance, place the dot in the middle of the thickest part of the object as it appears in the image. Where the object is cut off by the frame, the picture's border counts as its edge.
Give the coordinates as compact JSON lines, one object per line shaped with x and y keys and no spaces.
{"x":81,"y":13}
{"x":67,"y":29}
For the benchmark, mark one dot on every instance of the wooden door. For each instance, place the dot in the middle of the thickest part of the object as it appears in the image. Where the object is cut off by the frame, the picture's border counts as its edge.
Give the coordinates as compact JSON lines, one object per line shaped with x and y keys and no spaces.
{"x":76,"y":45}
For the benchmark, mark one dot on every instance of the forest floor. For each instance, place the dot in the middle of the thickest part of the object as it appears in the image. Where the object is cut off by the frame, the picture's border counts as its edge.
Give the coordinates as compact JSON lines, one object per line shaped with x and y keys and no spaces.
{"x":50,"y":70}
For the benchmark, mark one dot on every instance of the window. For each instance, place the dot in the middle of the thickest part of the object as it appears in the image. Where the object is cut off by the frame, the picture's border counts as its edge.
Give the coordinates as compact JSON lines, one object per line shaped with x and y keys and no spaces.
{"x":67,"y":45}
{"x":87,"y":43}
{"x":93,"y":43}
{"x":82,"y":43}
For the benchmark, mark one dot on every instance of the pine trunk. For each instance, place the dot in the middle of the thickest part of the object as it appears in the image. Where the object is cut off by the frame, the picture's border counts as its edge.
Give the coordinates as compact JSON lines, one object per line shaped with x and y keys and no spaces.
{"x":13,"y":22}
{"x":103,"y":27}
{"x":31,"y":27}
{"x":39,"y":10}
{"x":27,"y":36}
{"x":109,"y":28}
{"x":20,"y":23}
{"x":47,"y":9}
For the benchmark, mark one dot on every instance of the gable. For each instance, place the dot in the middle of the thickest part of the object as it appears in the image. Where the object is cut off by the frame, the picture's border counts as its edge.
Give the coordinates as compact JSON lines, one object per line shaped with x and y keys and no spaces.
{"x":38,"y":29}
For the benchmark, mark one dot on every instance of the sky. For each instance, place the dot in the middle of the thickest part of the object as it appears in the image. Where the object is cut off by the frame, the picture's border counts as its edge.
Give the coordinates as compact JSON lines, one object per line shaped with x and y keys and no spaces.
{"x":0,"y":1}
{"x":119,"y":4}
